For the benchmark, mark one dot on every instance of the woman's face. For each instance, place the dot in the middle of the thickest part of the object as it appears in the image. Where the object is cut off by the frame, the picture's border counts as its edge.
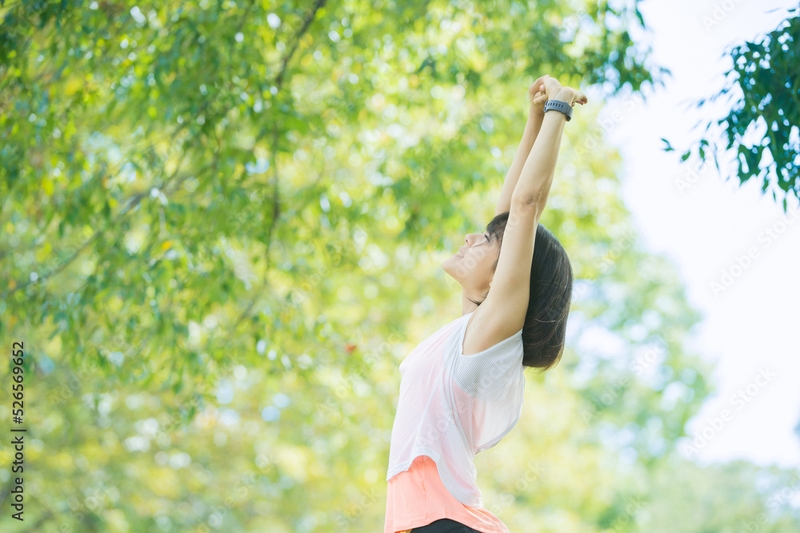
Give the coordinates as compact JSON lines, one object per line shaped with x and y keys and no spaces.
{"x":472,"y":265}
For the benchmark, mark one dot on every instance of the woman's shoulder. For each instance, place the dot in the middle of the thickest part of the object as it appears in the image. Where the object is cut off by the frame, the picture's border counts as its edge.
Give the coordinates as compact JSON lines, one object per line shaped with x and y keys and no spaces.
{"x":481,"y":337}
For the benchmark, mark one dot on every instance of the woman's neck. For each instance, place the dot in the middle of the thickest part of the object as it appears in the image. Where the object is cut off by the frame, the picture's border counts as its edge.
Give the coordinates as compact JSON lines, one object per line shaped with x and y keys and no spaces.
{"x":466,"y":305}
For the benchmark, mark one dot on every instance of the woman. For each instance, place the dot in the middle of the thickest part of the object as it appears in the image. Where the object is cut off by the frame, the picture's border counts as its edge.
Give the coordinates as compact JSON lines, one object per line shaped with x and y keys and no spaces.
{"x":462,"y":388}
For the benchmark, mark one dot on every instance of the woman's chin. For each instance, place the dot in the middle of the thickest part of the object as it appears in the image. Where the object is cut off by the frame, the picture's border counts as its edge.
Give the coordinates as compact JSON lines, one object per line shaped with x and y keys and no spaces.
{"x":449,"y":265}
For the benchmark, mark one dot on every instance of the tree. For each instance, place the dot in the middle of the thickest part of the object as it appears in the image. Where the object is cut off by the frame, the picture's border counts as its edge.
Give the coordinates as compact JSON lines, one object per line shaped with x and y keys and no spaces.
{"x":763,"y":91}
{"x":221,"y":222}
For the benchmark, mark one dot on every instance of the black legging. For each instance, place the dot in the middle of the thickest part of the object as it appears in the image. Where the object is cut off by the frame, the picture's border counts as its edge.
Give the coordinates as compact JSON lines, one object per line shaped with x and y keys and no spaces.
{"x":445,"y":525}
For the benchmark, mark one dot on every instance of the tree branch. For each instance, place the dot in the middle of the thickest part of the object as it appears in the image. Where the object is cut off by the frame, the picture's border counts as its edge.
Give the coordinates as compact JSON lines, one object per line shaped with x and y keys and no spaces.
{"x":276,"y":210}
{"x":303,"y":29}
{"x":309,"y":18}
{"x":133,"y":201}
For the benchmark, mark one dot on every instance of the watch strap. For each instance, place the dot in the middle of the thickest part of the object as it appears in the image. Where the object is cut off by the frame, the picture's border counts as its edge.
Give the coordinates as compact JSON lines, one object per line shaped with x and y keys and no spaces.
{"x":559,"y":105}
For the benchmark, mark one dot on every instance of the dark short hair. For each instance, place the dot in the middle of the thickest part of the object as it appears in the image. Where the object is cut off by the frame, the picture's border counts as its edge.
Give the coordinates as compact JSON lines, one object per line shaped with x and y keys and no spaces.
{"x":545,"y":328}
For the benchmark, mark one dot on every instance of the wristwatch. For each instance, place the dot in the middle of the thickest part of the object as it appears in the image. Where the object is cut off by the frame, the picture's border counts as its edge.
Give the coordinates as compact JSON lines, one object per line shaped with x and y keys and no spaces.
{"x":558,"y":105}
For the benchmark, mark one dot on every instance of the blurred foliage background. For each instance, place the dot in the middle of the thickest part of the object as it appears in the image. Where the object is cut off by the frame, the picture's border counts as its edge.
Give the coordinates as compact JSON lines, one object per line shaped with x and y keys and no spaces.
{"x":222,"y":224}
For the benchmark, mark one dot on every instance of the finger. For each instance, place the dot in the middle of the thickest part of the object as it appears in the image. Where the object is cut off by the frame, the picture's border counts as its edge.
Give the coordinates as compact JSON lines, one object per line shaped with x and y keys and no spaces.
{"x":535,"y":90}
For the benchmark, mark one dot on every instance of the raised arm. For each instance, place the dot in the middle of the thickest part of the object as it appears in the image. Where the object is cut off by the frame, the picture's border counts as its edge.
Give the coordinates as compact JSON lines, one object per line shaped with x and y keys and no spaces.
{"x":532,"y":127}
{"x":536,"y":176}
{"x":503,"y":311}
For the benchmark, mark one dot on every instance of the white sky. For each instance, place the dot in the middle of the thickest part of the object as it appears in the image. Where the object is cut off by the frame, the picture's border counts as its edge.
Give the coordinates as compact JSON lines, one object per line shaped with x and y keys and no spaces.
{"x":704,"y":228}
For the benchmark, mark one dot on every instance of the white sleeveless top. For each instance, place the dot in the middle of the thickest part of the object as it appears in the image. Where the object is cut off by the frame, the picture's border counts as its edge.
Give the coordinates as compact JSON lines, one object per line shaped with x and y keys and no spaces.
{"x":453,"y":406}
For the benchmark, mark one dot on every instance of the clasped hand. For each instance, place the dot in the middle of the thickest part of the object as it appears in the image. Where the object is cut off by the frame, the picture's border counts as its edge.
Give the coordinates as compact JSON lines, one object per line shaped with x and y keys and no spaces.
{"x":546,"y":88}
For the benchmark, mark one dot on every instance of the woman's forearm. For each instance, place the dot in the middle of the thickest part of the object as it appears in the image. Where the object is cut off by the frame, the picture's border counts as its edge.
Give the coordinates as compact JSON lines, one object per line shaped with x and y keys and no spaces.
{"x":537,"y":172}
{"x":532,"y":127}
